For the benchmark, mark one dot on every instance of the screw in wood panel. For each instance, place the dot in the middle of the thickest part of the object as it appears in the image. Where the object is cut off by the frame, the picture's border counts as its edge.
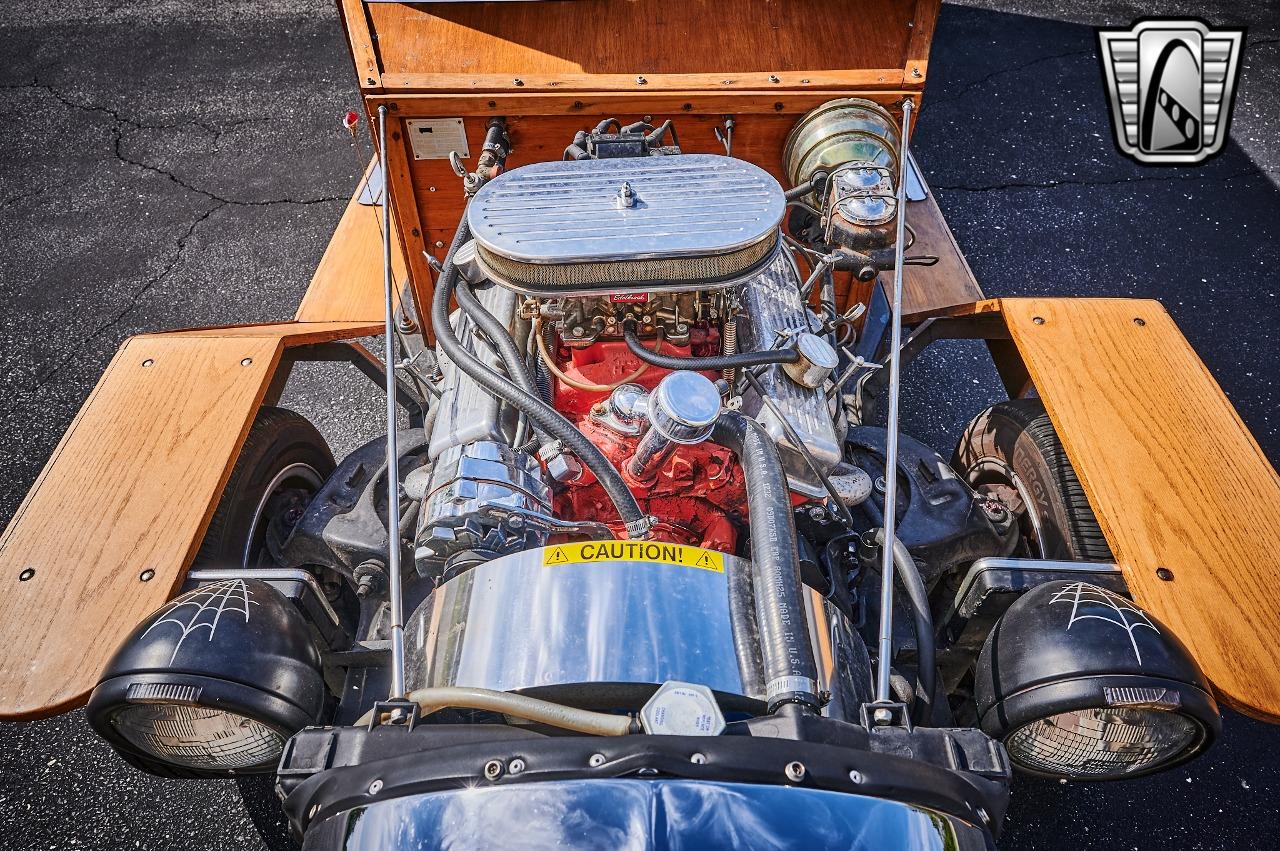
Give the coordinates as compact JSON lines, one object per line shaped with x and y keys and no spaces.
{"x":147,"y":575}
{"x":518,"y":82}
{"x":493,"y":104}
{"x":779,"y":106}
{"x":915,"y":72}
{"x":1039,"y":320}
{"x":439,"y":244}
{"x":396,"y":135}
{"x":246,"y":361}
{"x":641,"y":81}
{"x":1139,"y":321}
{"x":415,"y":231}
{"x":1164,"y":573}
{"x":26,"y":574}
{"x":149,"y":362}
{"x":773,"y":78}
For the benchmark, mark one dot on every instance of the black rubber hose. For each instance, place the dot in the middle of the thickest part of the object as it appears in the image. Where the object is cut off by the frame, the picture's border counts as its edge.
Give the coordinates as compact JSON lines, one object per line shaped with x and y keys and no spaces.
{"x":542,"y":414}
{"x":497,"y":335}
{"x":718,"y":362}
{"x":790,"y":673}
{"x":926,"y":651}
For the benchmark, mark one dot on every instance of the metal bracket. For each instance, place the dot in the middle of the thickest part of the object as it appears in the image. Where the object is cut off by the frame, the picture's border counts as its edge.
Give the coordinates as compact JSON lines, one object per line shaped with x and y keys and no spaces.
{"x":354,"y":354}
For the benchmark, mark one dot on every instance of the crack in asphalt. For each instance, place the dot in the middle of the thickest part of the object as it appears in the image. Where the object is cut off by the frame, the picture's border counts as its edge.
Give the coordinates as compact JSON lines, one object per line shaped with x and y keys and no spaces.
{"x":135,"y":299}
{"x":982,"y":81}
{"x":122,"y":122}
{"x":1120,"y":181}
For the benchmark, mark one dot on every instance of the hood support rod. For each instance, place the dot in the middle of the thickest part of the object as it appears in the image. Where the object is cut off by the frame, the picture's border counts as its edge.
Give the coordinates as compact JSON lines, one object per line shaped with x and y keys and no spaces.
{"x":883,"y":693}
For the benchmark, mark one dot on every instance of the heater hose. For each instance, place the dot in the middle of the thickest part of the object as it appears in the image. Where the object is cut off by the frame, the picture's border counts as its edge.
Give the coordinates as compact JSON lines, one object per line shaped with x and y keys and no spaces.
{"x":543,"y":415}
{"x":717,"y":362}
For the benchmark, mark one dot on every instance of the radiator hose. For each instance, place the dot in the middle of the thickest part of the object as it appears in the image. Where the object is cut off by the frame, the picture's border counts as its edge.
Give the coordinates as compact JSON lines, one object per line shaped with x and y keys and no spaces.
{"x":789,"y":670}
{"x":543,"y":415}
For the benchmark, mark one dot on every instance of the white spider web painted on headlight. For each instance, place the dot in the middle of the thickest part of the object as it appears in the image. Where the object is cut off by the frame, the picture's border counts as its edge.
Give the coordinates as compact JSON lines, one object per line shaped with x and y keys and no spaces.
{"x":1123,"y":613}
{"x":206,"y":605}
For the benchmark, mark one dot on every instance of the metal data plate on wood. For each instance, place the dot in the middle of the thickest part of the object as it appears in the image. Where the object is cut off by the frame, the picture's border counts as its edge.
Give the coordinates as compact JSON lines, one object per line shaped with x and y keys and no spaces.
{"x":436,"y":138}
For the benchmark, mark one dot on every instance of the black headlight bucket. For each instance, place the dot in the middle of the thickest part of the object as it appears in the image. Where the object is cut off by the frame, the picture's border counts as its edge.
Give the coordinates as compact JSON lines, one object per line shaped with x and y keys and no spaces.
{"x":212,"y":684}
{"x":1081,"y":683}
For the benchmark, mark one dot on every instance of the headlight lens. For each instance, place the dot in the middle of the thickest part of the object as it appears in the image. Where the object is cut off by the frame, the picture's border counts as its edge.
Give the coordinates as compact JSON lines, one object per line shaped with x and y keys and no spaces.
{"x":197,"y":736}
{"x":1102,"y":743}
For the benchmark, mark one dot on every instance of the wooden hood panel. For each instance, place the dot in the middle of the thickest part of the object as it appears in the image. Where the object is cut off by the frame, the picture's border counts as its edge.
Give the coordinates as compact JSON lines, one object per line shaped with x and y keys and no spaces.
{"x":603,"y":45}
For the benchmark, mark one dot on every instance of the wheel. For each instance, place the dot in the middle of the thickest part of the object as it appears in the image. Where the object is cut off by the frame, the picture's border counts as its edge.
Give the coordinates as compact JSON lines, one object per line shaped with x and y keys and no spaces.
{"x":281,"y":467}
{"x":1012,"y":453}
{"x":283,"y":463}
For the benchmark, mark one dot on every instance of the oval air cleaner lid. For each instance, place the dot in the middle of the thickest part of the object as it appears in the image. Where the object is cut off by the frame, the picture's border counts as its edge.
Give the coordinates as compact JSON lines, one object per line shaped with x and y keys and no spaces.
{"x":642,"y":224}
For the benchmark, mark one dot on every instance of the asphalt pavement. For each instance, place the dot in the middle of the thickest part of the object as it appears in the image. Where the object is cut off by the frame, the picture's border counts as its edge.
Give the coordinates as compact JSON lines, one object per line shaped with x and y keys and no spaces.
{"x":178,"y":163}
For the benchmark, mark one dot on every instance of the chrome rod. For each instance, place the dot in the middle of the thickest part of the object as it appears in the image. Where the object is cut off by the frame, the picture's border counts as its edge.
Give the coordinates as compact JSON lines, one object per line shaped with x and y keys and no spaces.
{"x":883,"y":694}
{"x":393,"y":448}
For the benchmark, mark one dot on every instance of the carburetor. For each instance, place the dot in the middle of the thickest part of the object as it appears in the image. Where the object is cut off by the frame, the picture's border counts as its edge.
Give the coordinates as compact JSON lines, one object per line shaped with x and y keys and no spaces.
{"x":673,"y":315}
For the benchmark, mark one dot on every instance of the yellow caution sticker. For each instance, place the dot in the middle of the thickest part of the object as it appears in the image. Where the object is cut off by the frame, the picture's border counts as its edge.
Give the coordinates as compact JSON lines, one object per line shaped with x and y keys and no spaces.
{"x":653,"y":551}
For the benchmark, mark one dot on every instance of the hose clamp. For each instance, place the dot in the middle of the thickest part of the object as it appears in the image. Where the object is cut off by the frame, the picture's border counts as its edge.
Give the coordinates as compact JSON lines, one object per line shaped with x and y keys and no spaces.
{"x":638,"y":530}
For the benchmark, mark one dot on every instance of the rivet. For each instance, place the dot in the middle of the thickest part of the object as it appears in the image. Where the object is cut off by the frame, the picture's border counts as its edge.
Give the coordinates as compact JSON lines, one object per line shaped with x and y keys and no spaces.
{"x":1164,"y":573}
{"x":246,"y":361}
{"x":147,"y":575}
{"x":698,"y":759}
{"x":375,"y":787}
{"x":26,"y":574}
{"x":795,"y":771}
{"x":1139,"y":321}
{"x":431,"y":189}
{"x":516,"y":765}
{"x":1039,"y":320}
{"x":493,"y":769}
{"x":855,"y":776}
{"x":597,"y":760}
{"x":149,"y":362}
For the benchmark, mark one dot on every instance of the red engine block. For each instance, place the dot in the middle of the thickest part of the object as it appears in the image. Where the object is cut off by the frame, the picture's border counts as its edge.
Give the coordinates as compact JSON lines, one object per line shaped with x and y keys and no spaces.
{"x":698,"y":495}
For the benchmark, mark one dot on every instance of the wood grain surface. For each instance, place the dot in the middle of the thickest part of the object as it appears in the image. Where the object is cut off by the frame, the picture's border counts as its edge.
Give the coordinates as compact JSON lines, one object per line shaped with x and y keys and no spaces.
{"x":108,"y":529}
{"x":1174,"y":475}
{"x":347,"y":284}
{"x":596,"y":45}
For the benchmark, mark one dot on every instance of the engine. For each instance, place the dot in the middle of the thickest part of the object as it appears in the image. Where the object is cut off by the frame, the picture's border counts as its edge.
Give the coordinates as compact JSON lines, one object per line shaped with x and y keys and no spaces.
{"x":592,"y":264}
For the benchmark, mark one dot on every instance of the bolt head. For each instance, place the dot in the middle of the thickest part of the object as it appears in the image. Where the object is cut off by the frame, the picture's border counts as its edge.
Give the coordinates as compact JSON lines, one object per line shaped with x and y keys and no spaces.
{"x":882,"y":716}
{"x":795,"y":771}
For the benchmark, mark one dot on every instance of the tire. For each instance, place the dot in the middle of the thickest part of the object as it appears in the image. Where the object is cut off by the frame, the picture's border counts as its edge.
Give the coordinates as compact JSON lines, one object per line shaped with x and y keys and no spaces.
{"x":1012,"y":453}
{"x":281,"y":466}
